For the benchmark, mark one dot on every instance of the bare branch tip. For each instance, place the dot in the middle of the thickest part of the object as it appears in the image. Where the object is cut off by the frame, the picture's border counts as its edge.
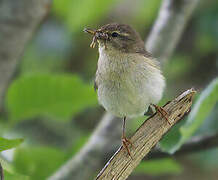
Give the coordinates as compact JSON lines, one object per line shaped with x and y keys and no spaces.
{"x":187,"y":94}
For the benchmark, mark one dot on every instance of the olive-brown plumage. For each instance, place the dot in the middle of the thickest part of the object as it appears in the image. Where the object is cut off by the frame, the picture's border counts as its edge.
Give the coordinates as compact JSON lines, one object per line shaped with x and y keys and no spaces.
{"x":128,"y":80}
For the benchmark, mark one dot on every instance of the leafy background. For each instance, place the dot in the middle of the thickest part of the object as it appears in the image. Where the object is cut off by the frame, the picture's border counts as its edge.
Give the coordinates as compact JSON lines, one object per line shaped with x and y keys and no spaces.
{"x":52,"y":108}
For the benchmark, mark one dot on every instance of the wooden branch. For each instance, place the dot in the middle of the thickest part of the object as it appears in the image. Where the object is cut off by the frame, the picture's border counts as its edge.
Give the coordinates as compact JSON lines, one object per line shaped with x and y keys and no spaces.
{"x":120,"y":166}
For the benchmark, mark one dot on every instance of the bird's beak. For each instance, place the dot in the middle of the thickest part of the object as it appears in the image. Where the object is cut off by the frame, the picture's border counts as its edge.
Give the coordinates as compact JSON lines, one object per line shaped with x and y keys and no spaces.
{"x":97,"y":35}
{"x":90,"y":31}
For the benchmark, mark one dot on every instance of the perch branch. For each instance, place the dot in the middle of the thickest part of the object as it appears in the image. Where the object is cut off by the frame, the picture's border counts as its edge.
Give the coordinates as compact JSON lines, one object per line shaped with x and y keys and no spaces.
{"x":145,"y":138}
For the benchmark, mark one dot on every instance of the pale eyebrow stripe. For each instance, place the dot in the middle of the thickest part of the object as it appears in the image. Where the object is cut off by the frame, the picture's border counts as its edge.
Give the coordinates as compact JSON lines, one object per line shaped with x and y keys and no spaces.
{"x":124,"y":34}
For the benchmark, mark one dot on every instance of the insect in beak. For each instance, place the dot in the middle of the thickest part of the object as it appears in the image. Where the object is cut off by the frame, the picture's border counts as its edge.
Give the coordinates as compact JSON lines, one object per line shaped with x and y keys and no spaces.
{"x":97,"y":34}
{"x":92,"y":32}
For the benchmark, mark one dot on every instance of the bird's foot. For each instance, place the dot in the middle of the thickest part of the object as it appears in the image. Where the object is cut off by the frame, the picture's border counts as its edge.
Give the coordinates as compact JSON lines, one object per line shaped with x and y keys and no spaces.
{"x":126,"y":142}
{"x":162,"y":113}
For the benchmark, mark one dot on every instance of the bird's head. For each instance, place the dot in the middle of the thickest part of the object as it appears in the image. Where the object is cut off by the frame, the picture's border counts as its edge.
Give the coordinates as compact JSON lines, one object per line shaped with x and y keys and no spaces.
{"x":119,"y":37}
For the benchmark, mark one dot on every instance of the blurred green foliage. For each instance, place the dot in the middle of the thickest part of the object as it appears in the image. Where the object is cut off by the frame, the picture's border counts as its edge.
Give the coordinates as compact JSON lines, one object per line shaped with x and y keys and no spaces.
{"x":79,"y":13}
{"x":55,"y":81}
{"x":207,"y":31}
{"x":201,"y":109}
{"x":146,"y":12}
{"x":38,"y":162}
{"x":159,"y":167}
{"x":12,"y":176}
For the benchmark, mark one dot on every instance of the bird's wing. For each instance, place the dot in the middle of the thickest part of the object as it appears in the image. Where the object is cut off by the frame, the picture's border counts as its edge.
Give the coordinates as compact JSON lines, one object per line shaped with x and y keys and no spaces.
{"x":152,"y":61}
{"x":149,"y":58}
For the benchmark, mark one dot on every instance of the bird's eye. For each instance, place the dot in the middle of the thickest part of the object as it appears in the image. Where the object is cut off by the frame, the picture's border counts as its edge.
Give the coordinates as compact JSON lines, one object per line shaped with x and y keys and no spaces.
{"x":114,"y":34}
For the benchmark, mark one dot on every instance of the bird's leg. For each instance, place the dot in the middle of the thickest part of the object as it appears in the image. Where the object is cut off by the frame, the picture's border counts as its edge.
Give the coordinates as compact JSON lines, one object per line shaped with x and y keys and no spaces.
{"x":162,"y":113}
{"x":126,"y":142}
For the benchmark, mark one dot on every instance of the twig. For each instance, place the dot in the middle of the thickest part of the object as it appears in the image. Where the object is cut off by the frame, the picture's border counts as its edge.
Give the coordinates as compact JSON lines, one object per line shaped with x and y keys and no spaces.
{"x":195,"y":145}
{"x":145,"y":138}
{"x":1,"y":172}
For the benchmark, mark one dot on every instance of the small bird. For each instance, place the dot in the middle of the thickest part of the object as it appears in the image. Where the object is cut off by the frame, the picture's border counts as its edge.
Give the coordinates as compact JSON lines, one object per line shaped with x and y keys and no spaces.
{"x":128,"y":79}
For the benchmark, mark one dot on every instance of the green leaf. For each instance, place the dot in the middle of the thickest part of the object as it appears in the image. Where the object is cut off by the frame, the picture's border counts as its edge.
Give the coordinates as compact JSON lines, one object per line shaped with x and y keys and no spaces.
{"x":200,"y":111}
{"x":55,"y":96}
{"x":210,"y":124}
{"x":9,"y":143}
{"x":171,"y":138}
{"x":159,"y":167}
{"x":38,"y":162}
{"x":12,"y":176}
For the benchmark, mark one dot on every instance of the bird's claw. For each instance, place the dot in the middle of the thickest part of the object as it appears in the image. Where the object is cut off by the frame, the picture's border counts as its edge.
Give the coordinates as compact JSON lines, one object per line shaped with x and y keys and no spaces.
{"x":126,"y":142}
{"x":161,"y":111}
